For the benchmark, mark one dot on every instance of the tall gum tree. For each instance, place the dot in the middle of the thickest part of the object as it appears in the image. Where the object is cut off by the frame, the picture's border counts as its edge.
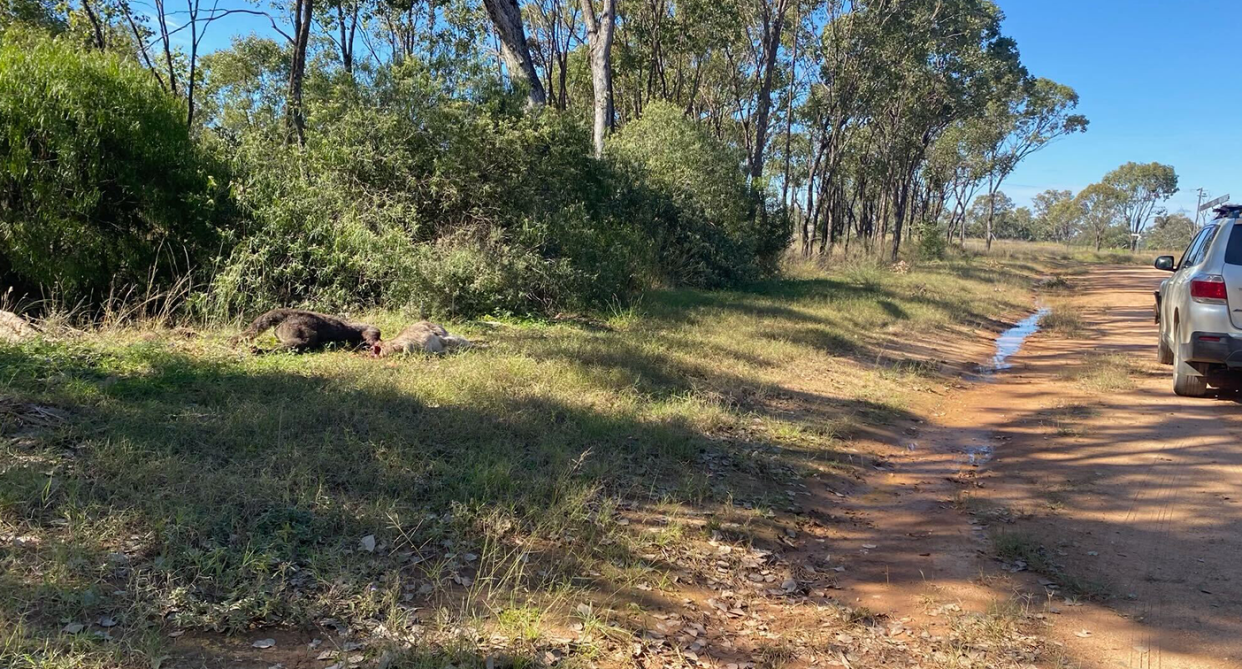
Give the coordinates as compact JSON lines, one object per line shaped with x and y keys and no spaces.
{"x":507,"y":17}
{"x":303,"y":14}
{"x":1057,"y":214}
{"x":1038,"y":112}
{"x":1142,"y":186}
{"x":1101,"y":205}
{"x":600,"y":27}
{"x":772,"y":25}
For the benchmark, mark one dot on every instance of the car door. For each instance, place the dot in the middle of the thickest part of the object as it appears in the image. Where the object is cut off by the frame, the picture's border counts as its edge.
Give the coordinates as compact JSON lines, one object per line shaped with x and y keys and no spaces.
{"x":1178,"y":296}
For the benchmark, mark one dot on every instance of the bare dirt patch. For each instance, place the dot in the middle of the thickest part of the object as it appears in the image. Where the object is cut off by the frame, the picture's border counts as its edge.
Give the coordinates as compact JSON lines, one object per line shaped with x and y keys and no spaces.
{"x":1121,"y":501}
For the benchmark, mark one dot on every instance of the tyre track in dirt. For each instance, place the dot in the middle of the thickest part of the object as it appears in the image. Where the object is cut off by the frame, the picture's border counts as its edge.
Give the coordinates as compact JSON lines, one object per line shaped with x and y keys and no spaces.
{"x":1131,"y":496}
{"x":1161,"y":561}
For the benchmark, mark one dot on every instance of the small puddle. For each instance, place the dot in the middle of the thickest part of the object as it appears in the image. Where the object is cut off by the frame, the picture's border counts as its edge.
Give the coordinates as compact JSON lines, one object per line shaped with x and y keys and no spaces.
{"x":1010,"y":341}
{"x":978,"y":455}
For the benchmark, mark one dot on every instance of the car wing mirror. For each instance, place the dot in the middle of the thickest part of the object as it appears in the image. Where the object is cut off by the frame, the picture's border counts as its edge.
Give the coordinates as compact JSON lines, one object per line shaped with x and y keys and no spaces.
{"x":1166,"y":263}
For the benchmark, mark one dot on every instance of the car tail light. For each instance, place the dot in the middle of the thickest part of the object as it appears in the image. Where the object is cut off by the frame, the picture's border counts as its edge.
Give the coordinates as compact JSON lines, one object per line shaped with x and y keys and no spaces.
{"x":1209,"y":288}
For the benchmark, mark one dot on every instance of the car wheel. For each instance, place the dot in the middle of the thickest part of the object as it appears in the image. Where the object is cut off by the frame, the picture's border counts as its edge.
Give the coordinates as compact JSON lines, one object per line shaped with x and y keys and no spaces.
{"x":1185,"y":384}
{"x":1164,"y":354}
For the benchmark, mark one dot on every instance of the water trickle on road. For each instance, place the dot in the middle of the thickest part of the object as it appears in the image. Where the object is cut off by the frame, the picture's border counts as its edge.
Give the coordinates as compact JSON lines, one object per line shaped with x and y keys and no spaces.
{"x":979,"y":454}
{"x":1010,"y":341}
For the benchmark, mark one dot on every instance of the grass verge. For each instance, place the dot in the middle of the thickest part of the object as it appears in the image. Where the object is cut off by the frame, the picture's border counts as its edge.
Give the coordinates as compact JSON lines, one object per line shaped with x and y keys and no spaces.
{"x":159,"y":481}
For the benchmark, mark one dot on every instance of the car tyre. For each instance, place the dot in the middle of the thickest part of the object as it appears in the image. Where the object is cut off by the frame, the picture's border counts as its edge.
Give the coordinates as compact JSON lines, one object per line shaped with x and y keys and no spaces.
{"x":1164,"y":354}
{"x":1185,"y":384}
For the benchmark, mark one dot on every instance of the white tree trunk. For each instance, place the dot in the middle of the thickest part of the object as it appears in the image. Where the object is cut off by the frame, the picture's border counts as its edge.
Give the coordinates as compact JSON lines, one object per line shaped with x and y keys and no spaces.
{"x":600,"y":28}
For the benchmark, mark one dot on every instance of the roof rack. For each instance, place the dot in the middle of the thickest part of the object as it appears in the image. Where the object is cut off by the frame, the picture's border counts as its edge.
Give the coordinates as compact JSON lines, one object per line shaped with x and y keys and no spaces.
{"x":1228,"y":211}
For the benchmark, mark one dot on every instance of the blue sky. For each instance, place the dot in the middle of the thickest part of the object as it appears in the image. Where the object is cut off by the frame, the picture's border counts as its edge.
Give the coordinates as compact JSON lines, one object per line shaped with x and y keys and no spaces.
{"x":1159,"y":81}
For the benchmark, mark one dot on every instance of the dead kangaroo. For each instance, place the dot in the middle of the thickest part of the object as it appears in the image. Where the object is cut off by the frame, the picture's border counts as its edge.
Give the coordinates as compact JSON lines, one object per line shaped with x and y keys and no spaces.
{"x":299,"y":330}
{"x":421,"y":337}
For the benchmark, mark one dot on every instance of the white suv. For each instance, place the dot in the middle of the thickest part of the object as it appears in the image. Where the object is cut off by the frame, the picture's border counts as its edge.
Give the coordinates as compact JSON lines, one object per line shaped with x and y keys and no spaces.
{"x":1200,"y":322}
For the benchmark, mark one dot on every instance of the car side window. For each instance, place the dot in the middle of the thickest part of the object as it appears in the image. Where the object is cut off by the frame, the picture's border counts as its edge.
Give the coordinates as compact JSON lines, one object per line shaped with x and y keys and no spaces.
{"x":1233,"y":251}
{"x":1193,"y":248}
{"x":1200,"y":250}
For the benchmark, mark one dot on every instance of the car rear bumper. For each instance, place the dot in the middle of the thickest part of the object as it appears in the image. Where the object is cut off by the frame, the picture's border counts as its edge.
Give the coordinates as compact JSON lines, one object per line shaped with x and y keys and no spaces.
{"x":1216,"y":348}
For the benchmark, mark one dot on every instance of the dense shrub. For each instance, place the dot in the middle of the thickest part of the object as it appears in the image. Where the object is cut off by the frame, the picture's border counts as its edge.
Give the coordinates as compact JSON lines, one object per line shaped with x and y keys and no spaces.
{"x":716,"y":231}
{"x":404,"y":196}
{"x":408,"y":195}
{"x":933,"y":243}
{"x":452,"y":207}
{"x":101,"y":183}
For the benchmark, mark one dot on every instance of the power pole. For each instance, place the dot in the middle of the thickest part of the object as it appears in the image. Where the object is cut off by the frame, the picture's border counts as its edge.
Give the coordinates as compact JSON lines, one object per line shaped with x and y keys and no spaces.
{"x":1199,"y":203}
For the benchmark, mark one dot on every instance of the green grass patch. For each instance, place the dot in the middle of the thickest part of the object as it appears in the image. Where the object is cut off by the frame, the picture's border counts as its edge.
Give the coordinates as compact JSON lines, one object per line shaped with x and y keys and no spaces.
{"x":1064,"y":319}
{"x":1106,"y":373}
{"x":1015,"y":546}
{"x":194,"y":486}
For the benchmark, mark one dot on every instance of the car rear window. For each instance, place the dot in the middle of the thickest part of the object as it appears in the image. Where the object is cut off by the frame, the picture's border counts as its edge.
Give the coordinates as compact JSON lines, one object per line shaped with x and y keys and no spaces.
{"x":1233,"y":252}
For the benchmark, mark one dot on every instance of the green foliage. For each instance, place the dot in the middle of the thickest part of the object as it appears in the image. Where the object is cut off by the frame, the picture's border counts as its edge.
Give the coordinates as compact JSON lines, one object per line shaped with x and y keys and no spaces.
{"x":1169,"y":232}
{"x":404,"y":195}
{"x":405,"y":198}
{"x":1141,"y":187}
{"x":101,"y":183}
{"x":40,"y":15}
{"x":712,"y":230}
{"x":933,"y":244}
{"x":1020,"y":224}
{"x":246,"y":86}
{"x":423,"y":183}
{"x":1058,"y":216}
{"x":455,"y":210}
{"x":1103,"y":217}
{"x":999,"y":206}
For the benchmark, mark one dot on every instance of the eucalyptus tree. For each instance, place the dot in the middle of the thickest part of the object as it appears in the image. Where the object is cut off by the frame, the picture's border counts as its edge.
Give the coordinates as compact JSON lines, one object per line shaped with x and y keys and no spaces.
{"x":506,"y":16}
{"x":165,"y":36}
{"x":1142,"y":187}
{"x":340,"y":24}
{"x":956,"y":169}
{"x":244,"y":91}
{"x":1026,"y":119}
{"x":600,"y":26}
{"x":996,"y":207}
{"x":1058,"y":214}
{"x":943,"y":61}
{"x":295,"y":113}
{"x":1169,"y":232}
{"x":771,"y":16}
{"x":554,"y":29}
{"x":1102,"y":206}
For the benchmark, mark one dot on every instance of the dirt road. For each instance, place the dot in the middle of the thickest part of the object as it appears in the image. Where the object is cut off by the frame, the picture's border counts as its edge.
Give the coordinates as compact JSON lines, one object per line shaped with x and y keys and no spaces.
{"x":1116,"y":506}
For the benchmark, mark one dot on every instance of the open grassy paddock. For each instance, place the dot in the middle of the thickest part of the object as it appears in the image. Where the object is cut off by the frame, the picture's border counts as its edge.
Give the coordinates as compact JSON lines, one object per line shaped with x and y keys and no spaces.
{"x":563,"y":480}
